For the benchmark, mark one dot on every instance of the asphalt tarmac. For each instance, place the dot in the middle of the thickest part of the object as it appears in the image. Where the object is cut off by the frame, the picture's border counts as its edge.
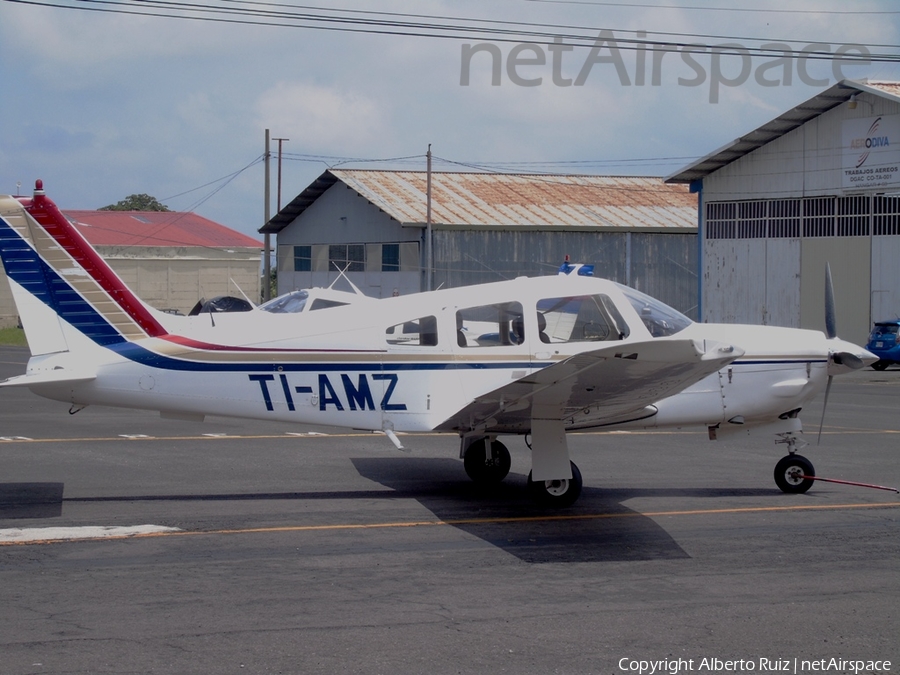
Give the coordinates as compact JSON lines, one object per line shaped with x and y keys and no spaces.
{"x":296,"y":549}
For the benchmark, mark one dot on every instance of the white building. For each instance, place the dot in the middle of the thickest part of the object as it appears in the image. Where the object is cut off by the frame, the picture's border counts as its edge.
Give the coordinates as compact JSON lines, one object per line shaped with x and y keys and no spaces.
{"x":815,"y":185}
{"x":487,"y":227}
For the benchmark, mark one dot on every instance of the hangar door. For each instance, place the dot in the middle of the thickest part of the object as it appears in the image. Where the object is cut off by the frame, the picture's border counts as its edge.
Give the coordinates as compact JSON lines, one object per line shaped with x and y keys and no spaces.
{"x":851,"y":271}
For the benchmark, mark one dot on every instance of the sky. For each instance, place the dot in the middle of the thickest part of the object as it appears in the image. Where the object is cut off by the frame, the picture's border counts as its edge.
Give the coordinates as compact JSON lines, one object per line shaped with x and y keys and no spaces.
{"x":104,"y":104}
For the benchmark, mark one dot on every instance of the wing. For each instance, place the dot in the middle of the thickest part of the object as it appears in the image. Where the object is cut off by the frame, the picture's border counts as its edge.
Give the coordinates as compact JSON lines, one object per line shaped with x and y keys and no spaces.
{"x":612,"y":384}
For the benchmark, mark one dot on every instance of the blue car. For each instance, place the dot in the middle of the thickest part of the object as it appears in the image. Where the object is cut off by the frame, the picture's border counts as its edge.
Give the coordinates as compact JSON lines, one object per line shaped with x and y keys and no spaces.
{"x":883,"y":343}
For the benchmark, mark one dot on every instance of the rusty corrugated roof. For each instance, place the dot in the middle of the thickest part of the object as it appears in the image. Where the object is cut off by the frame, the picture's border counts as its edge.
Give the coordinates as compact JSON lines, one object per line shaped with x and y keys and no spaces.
{"x":510,"y":200}
{"x":887,"y":86}
{"x":155,"y":228}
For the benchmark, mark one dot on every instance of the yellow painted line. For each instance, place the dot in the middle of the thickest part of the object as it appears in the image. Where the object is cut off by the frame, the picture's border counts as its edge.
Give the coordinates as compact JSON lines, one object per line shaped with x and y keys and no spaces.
{"x":466,"y":521}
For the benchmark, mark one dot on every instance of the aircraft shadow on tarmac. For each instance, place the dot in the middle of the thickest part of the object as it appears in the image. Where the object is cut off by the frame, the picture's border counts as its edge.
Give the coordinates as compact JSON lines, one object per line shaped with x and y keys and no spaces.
{"x":31,"y":500}
{"x":598,"y":528}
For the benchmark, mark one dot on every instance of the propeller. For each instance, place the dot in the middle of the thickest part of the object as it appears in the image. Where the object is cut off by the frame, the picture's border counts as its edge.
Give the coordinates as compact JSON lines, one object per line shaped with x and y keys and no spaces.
{"x":830,"y":321}
{"x":842,"y":358}
{"x":830,"y":333}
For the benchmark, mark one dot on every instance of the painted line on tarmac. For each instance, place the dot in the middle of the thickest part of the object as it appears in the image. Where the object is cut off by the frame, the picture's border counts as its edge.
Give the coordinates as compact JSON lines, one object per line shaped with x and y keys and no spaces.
{"x":52,"y":536}
{"x":39,"y":535}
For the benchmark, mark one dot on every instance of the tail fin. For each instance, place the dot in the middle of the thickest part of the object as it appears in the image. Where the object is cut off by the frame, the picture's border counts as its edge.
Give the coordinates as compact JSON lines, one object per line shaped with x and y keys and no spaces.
{"x":60,"y":283}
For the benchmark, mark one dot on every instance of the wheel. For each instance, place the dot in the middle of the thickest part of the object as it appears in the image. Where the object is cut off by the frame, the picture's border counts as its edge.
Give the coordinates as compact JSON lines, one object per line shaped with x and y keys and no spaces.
{"x":880,"y":364}
{"x":790,"y":474}
{"x":483,"y":467}
{"x":557,"y":493}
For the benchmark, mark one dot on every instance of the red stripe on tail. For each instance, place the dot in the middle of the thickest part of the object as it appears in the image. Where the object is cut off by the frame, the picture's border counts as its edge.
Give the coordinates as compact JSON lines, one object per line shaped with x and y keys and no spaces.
{"x":48,"y":215}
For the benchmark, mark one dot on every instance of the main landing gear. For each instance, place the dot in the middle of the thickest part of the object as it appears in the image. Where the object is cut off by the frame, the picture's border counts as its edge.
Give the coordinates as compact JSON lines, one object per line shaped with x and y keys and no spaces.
{"x":487,"y":462}
{"x":794,"y":473}
{"x":557,"y":493}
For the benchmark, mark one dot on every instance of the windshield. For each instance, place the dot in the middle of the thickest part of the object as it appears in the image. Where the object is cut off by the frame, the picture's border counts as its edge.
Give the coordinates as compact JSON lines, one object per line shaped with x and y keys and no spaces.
{"x":289,"y":303}
{"x":658,"y":317}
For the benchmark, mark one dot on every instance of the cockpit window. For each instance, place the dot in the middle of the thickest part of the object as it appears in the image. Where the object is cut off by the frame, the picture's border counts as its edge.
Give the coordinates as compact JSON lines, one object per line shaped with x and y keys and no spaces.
{"x":582,"y":318}
{"x":296,"y":302}
{"x":289,"y":303}
{"x":660,"y":319}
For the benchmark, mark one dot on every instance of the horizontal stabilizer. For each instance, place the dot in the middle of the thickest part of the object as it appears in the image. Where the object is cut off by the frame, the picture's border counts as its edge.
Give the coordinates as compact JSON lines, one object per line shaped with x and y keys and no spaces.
{"x":59,"y":376}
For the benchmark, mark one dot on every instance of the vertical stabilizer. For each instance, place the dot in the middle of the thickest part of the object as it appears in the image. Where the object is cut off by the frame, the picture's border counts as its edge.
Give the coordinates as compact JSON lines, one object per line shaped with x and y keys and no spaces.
{"x":60,"y":283}
{"x":30,"y":288}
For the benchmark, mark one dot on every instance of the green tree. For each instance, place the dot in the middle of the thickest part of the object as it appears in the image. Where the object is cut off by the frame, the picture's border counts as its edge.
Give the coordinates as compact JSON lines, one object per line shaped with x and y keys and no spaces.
{"x":140,"y":202}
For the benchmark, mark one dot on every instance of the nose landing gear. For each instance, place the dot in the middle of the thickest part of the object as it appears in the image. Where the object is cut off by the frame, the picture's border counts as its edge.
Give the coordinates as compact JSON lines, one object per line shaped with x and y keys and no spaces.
{"x":794,"y":474}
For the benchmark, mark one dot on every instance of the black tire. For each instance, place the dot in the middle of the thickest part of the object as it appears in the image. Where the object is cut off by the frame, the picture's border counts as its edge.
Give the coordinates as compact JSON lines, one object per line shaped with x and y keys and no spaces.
{"x":788,"y":474}
{"x":880,"y":365}
{"x":483,"y":467}
{"x":557,"y":493}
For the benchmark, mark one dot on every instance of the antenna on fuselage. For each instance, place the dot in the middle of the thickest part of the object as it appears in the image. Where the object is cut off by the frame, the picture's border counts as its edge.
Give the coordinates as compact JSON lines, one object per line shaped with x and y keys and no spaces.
{"x":346,"y":278}
{"x":241,"y":291}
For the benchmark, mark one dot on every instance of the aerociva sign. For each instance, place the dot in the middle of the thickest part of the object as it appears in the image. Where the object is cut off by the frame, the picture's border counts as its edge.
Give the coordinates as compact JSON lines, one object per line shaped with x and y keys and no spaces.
{"x":871,"y":152}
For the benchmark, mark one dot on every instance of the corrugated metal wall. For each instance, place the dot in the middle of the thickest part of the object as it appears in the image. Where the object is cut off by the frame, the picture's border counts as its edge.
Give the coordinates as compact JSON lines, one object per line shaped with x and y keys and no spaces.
{"x":755,"y":281}
{"x":662,"y":265}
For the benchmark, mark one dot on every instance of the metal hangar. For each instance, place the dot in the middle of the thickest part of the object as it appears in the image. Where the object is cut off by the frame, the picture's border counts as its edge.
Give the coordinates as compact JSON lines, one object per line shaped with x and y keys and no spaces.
{"x":818,"y":184}
{"x":486,"y":227}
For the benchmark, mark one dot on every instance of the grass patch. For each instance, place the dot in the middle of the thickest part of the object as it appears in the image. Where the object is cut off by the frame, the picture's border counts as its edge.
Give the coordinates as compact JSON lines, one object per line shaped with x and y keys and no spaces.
{"x":13,"y":336}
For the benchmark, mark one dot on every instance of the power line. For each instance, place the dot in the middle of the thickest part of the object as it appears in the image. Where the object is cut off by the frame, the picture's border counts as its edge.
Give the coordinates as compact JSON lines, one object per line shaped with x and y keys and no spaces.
{"x":435,"y":27}
{"x":601,"y":3}
{"x":227,"y":178}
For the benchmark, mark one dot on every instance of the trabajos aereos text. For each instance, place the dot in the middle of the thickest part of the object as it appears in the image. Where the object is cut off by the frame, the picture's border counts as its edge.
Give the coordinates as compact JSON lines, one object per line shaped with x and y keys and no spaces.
{"x":762,"y":665}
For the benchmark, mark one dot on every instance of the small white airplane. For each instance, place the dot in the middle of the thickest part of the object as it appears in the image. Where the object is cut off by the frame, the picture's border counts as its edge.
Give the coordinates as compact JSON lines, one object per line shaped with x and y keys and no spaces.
{"x":538,"y":357}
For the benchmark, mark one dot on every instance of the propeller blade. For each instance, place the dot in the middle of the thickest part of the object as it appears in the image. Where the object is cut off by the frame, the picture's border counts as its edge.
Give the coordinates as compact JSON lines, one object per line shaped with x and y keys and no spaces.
{"x":830,"y":321}
{"x":824,"y":408}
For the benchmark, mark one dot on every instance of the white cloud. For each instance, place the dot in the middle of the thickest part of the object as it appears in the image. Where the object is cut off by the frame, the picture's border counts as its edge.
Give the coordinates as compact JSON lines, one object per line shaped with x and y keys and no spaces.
{"x":102,"y":106}
{"x":324,"y":119}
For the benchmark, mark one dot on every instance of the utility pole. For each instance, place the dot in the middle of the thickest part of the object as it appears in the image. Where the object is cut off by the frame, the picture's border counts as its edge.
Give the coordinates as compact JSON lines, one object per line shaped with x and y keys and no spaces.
{"x":429,"y":249}
{"x":278,"y":199}
{"x":267,"y":242}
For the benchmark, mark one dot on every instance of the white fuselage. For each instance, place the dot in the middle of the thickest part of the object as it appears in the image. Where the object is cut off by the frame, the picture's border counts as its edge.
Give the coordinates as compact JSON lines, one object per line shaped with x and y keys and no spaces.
{"x":342,"y":367}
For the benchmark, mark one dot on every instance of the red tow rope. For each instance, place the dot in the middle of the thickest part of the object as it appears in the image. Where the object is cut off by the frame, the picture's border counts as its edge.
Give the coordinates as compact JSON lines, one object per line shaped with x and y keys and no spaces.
{"x":849,"y":482}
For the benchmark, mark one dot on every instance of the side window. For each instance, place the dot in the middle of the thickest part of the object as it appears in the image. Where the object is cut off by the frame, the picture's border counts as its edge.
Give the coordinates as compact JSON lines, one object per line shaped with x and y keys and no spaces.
{"x":303,"y":258}
{"x":322,"y":303}
{"x":390,"y":257}
{"x":584,"y":318}
{"x":495,"y":325}
{"x":349,"y":256}
{"x":417,"y":333}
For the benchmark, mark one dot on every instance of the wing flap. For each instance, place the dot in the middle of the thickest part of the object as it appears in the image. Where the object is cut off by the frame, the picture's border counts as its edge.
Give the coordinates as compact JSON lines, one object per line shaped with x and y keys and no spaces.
{"x":599,"y":386}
